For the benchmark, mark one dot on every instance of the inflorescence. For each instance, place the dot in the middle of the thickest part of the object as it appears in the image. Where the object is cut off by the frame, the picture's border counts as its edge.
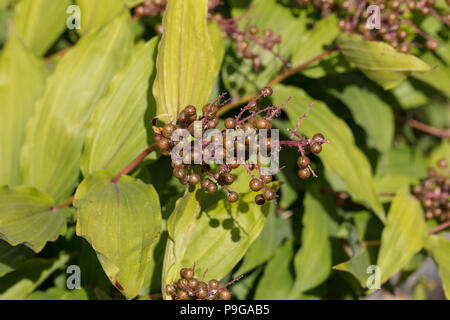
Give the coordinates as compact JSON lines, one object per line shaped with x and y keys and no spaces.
{"x":255,"y":123}
{"x":190,"y":288}
{"x":396,"y":28}
{"x":434,"y":192}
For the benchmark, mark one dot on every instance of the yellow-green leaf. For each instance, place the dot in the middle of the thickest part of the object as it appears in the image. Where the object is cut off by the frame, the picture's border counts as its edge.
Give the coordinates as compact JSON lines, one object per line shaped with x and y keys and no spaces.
{"x":440,"y":250}
{"x":41,"y":22}
{"x":22,"y":78}
{"x":357,"y":266}
{"x":23,"y":211}
{"x":95,"y":14}
{"x":216,"y":239}
{"x":117,"y":130}
{"x":340,"y":156}
{"x":121,"y":221}
{"x":380,"y":61}
{"x":186,"y":62}
{"x":312,"y":262}
{"x":12,"y":256}
{"x":55,"y":134}
{"x":403,"y":235}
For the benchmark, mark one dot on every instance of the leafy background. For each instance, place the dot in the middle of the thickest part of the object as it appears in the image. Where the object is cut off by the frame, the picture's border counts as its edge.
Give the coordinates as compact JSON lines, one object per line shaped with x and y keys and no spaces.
{"x":76,"y":107}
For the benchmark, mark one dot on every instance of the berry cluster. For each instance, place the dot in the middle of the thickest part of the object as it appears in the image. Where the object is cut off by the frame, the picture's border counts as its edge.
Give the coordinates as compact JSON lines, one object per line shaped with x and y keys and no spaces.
{"x":434,"y":192}
{"x":247,"y":41}
{"x":395,"y":29}
{"x":151,"y":8}
{"x":192,"y":169}
{"x":190,"y":288}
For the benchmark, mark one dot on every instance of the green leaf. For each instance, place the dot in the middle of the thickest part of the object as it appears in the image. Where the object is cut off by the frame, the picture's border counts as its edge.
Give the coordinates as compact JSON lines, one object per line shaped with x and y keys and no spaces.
{"x":22,"y":210}
{"x":41,"y":22}
{"x":186,"y":62}
{"x":403,"y":235}
{"x":11,"y":257}
{"x":315,"y":41}
{"x":96,"y":14}
{"x":54,"y":137}
{"x":59,"y":294}
{"x":380,"y":61}
{"x":239,"y":76}
{"x":266,"y":245}
{"x":217,"y":239}
{"x":20,"y":72}
{"x":440,"y":250}
{"x":439,"y":76}
{"x":402,"y":160}
{"x":340,"y":156}
{"x":121,"y":221}
{"x":277,"y":279}
{"x":312,"y":263}
{"x":372,"y":114}
{"x":28,"y":277}
{"x":217,"y":42}
{"x":408,"y":96}
{"x":117,"y":131}
{"x":389,"y":184}
{"x":180,"y":226}
{"x":440,"y":152}
{"x":357,"y":266}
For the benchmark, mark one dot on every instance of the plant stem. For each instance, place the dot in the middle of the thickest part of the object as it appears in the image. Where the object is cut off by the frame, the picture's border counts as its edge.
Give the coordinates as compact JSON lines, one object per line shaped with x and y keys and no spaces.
{"x":441,"y":133}
{"x":64,"y":204}
{"x":276,"y":80}
{"x":133,"y":164}
{"x":440,"y":227}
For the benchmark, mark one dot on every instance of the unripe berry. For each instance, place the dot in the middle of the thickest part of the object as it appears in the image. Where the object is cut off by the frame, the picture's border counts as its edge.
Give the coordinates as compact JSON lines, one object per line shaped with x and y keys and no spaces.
{"x":256,"y":184}
{"x":232,"y":196}
{"x":212,"y":188}
{"x":266,"y":92}
{"x":225,"y":295}
{"x":303,"y":162}
{"x":270,"y":194}
{"x":304,"y":173}
{"x":213,"y":284}
{"x":230,"y":123}
{"x":316,"y":148}
{"x":260,"y":200}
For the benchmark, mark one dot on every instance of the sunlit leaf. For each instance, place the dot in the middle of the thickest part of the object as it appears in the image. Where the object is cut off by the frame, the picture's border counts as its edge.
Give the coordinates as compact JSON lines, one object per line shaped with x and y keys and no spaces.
{"x":357,"y":266}
{"x":55,"y":134}
{"x":121,"y":221}
{"x":20,"y":72}
{"x":186,"y":62}
{"x":41,"y":22}
{"x":216,"y":239}
{"x":340,"y":156}
{"x":59,"y":294}
{"x":380,"y":61}
{"x":22,"y":210}
{"x":95,"y":14}
{"x":403,"y":235}
{"x":117,"y":132}
{"x":440,"y":250}
{"x":312,"y":263}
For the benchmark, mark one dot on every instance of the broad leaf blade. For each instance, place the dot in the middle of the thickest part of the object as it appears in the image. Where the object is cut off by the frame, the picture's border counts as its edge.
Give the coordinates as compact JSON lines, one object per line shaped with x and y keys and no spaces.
{"x":19,"y":284}
{"x":55,"y":134}
{"x":186,"y":62}
{"x":121,"y":221}
{"x":11,"y":257}
{"x":403,"y":235}
{"x":440,"y":250}
{"x":372,"y":114}
{"x":340,"y":156}
{"x":41,"y":22}
{"x":380,"y":61}
{"x":277,"y":279}
{"x":95,"y":14}
{"x":117,"y":132}
{"x":22,"y":78}
{"x":312,"y":262}
{"x":357,"y":266}
{"x":22,"y":210}
{"x":217,"y":239}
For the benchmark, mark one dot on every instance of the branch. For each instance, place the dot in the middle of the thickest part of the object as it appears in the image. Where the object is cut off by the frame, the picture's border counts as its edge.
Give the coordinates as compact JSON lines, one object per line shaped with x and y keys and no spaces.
{"x":441,"y":133}
{"x":276,"y":80}
{"x":440,"y":227}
